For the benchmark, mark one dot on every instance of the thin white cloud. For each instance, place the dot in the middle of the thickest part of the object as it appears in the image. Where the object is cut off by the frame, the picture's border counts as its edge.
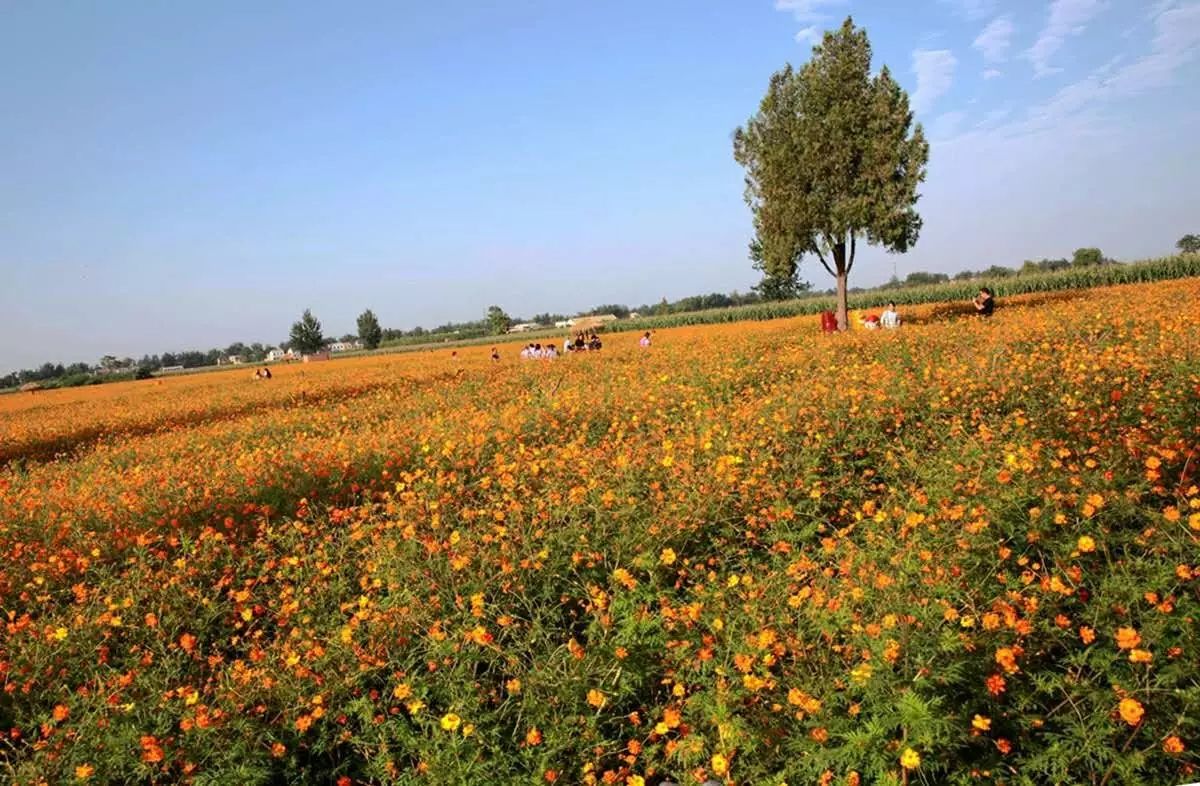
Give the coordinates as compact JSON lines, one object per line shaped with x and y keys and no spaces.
{"x":992,"y":73}
{"x":946,"y":125}
{"x":810,"y":13}
{"x":809,"y":35}
{"x":935,"y":73}
{"x":1077,"y":106}
{"x":993,"y":42}
{"x":1067,"y":18}
{"x":971,"y":9}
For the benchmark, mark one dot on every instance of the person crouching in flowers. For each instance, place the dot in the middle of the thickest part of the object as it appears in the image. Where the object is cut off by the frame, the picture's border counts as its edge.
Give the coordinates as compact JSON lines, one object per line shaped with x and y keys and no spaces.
{"x":890,"y":318}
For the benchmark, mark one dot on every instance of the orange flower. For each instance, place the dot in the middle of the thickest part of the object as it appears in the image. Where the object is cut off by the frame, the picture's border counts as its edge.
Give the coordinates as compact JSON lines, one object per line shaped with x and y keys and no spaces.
{"x":1128,"y":638}
{"x":84,"y":771}
{"x":1173,"y":745}
{"x":60,"y":713}
{"x":1007,"y":658}
{"x":533,"y":736}
{"x":188,"y":642}
{"x":1131,"y":711}
{"x":596,"y":698}
{"x":1086,"y":634}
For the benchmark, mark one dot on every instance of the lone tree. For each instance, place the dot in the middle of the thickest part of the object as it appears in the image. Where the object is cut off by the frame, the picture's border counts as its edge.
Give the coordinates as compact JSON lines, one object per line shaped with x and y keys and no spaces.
{"x":306,"y":337}
{"x":498,"y":321}
{"x":831,"y":158}
{"x":1189,"y":244}
{"x":1086,"y":257}
{"x":369,"y":331}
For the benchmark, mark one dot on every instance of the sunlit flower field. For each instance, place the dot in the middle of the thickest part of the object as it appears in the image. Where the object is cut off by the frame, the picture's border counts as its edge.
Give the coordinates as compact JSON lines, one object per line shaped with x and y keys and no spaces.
{"x":965,"y":551}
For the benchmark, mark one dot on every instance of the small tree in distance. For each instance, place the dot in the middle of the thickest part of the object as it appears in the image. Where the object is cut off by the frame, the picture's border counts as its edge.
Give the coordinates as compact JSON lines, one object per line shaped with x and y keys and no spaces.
{"x":1086,"y":257}
{"x":369,"y":331}
{"x":306,"y":337}
{"x":498,"y":321}
{"x":832,"y":158}
{"x":1189,"y":244}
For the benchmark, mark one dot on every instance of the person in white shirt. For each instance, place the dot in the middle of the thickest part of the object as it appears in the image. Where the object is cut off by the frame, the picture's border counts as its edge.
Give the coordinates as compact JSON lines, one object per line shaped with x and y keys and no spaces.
{"x":890,"y":318}
{"x":645,"y":341}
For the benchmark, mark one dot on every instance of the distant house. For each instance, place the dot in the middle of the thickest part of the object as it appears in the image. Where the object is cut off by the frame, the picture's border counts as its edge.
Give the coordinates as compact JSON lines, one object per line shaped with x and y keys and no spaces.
{"x":524,"y":327}
{"x":279,"y":354}
{"x":564,"y":323}
{"x":345,"y":346}
{"x":234,"y":360}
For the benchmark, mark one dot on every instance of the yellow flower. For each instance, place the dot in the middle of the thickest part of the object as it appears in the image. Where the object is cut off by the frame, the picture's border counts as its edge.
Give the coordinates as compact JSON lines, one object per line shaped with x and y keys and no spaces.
{"x":667,"y":557}
{"x":596,"y":698}
{"x":450,"y":721}
{"x":910,"y":759}
{"x":60,"y":634}
{"x":1086,"y":544}
{"x":981,"y":723}
{"x":720,"y":765}
{"x":635,"y":780}
{"x":402,"y":691}
{"x":84,"y":771}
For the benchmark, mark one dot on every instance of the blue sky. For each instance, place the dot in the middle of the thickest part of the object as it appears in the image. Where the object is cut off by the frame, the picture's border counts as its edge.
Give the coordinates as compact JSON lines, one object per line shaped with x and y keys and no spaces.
{"x":182,"y":175}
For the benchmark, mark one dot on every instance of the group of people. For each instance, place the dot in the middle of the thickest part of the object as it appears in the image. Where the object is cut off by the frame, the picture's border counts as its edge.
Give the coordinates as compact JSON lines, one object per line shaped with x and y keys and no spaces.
{"x":533,"y":352}
{"x":984,"y":303}
{"x":589,"y":342}
{"x":581,"y":342}
{"x":262,"y":373}
{"x":889,"y":319}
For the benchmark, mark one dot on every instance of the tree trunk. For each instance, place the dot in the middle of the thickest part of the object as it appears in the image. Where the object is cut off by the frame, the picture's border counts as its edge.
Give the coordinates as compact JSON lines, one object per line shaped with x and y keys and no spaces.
{"x":843,"y":315}
{"x":841,"y":273}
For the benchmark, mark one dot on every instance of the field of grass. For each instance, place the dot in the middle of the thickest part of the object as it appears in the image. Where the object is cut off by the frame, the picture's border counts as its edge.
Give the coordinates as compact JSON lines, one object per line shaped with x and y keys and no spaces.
{"x":962,"y":552}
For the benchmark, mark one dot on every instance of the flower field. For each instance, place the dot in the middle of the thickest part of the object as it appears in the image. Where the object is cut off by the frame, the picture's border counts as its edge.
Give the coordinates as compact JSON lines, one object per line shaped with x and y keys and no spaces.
{"x":962,"y":552}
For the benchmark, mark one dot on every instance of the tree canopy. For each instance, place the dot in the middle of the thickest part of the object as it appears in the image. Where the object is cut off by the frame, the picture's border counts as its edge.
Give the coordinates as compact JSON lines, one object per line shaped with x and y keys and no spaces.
{"x":306,"y":336}
{"x":1189,"y":244}
{"x":498,"y":321}
{"x":369,"y":331}
{"x":1086,"y":257}
{"x":832,"y":158}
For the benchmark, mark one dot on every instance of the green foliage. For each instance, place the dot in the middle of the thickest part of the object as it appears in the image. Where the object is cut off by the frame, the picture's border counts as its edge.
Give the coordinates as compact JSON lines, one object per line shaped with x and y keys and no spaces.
{"x":1086,"y":257}
{"x":369,"y":331}
{"x":831,"y":158}
{"x":1189,"y":244}
{"x":306,"y":336}
{"x":919,"y":278}
{"x":498,"y":321}
{"x":779,"y":282}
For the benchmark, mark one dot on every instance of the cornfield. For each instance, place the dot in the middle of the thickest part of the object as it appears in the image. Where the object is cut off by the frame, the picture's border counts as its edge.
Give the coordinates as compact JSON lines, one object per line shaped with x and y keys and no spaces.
{"x":1166,"y":268}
